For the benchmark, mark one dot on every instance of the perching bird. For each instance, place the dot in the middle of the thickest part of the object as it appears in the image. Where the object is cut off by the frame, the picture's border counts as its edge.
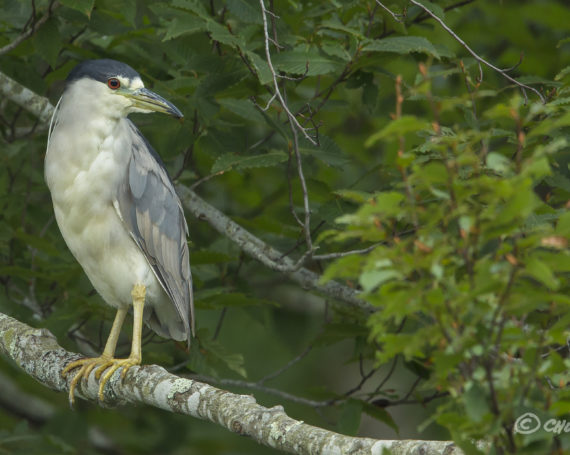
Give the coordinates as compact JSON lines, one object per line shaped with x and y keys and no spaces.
{"x":117,"y":209}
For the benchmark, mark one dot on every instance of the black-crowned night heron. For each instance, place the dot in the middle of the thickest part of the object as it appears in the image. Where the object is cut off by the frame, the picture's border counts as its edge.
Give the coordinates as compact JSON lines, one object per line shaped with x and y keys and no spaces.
{"x":117,"y":209}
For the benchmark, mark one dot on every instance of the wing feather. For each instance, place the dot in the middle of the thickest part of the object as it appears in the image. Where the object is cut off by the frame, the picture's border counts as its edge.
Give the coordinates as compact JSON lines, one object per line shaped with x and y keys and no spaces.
{"x":153,"y":214}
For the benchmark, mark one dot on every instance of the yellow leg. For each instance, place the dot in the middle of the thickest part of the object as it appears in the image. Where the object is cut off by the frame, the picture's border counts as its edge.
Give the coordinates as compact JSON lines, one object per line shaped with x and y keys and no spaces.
{"x":106,"y":363}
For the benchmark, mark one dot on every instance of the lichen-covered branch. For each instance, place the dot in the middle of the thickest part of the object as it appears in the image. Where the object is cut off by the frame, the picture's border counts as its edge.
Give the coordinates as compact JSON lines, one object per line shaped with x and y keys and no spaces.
{"x":26,"y":99}
{"x":36,"y":351}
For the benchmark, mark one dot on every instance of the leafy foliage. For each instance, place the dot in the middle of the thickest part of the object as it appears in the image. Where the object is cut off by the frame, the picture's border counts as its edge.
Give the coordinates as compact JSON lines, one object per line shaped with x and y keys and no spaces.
{"x":457,"y":189}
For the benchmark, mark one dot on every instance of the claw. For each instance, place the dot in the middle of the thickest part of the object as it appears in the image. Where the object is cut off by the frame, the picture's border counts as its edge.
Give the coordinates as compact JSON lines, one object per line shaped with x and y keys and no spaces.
{"x":101,"y":365}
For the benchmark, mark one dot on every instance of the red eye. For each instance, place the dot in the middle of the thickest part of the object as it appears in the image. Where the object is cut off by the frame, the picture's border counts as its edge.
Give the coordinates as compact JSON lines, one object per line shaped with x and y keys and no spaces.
{"x":114,"y":83}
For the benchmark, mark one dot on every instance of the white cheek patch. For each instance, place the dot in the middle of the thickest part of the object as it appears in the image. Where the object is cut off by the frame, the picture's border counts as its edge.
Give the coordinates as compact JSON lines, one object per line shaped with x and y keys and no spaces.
{"x":136,"y":83}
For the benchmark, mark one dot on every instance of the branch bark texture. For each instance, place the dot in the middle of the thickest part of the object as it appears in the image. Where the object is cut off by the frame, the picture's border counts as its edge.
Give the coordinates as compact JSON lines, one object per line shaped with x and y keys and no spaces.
{"x":26,"y":99}
{"x":37,"y":352}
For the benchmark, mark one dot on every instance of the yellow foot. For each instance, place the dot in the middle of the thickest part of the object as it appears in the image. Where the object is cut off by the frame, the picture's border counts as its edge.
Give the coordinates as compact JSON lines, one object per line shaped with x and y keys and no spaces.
{"x":103,"y":364}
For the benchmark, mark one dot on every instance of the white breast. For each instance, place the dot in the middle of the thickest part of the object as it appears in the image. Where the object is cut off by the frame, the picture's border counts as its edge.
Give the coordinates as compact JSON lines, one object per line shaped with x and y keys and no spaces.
{"x":83,"y":171}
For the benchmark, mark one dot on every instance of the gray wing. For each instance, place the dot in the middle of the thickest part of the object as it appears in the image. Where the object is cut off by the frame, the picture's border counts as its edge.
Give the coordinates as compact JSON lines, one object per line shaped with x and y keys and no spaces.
{"x":153,"y":214}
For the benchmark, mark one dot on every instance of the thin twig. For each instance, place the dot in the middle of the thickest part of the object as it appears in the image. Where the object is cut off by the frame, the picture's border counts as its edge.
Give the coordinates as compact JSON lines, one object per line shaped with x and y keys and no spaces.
{"x":284,"y":368}
{"x":396,"y":17}
{"x":522,"y":86}
{"x":25,"y":35}
{"x":292,"y":119}
{"x":324,"y":257}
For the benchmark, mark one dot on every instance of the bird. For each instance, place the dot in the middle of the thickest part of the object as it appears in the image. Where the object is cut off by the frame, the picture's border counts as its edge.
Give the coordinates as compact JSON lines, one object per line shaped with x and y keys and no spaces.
{"x":117,"y":210}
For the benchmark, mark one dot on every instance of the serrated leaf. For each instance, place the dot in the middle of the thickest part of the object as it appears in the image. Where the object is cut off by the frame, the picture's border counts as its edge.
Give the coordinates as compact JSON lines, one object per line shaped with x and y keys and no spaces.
{"x":261,"y":67}
{"x":335,"y":25}
{"x":327,"y":151}
{"x":242,"y":107}
{"x":232,"y":161}
{"x":192,"y":5}
{"x":215,"y":353}
{"x":248,"y":11}
{"x":541,"y":272}
{"x":48,"y":42}
{"x":222,"y":35}
{"x":83,"y":6}
{"x":309,"y":63}
{"x":186,"y":24}
{"x":402,"y":45}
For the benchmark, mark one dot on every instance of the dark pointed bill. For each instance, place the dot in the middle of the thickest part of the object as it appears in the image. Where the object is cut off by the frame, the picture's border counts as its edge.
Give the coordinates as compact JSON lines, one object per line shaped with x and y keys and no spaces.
{"x":144,"y":98}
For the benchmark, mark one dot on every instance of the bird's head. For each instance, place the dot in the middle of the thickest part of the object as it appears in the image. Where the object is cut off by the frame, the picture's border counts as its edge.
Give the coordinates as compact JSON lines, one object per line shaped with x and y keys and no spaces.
{"x":114,"y":88}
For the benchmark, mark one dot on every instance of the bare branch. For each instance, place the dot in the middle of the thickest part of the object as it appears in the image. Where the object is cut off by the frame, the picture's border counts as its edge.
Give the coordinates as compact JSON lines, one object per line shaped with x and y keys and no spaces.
{"x":523,"y":87}
{"x":324,"y":257}
{"x":292,"y":119}
{"x":395,"y":16}
{"x":24,"y":36}
{"x":36,"y":351}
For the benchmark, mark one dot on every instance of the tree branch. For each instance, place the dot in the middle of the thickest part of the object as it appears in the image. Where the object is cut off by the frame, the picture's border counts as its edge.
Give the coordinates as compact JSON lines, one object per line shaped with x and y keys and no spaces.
{"x":36,"y":351}
{"x":26,"y":99}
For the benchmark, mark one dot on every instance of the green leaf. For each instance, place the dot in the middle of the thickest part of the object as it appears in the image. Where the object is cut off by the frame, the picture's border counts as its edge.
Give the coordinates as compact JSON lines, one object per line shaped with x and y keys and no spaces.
{"x":499,"y":163}
{"x":248,"y":11}
{"x":350,"y":415}
{"x":232,"y":161}
{"x":563,"y":225}
{"x":475,"y":402}
{"x":215,"y":354}
{"x":538,"y":270}
{"x":380,"y":414}
{"x":327,"y":151}
{"x":336,"y":332}
{"x":186,"y":24}
{"x":402,"y":45}
{"x":48,"y":42}
{"x":261,"y":68}
{"x":242,"y":107}
{"x":371,"y":279}
{"x":336,"y":25}
{"x":310,"y":63}
{"x":399,"y":127}
{"x":41,"y":244}
{"x":83,"y":6}
{"x":192,"y":5}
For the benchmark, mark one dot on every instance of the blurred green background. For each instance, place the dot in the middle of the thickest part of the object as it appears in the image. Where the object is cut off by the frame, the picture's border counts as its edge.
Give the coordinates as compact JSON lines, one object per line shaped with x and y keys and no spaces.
{"x":208,"y":58}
